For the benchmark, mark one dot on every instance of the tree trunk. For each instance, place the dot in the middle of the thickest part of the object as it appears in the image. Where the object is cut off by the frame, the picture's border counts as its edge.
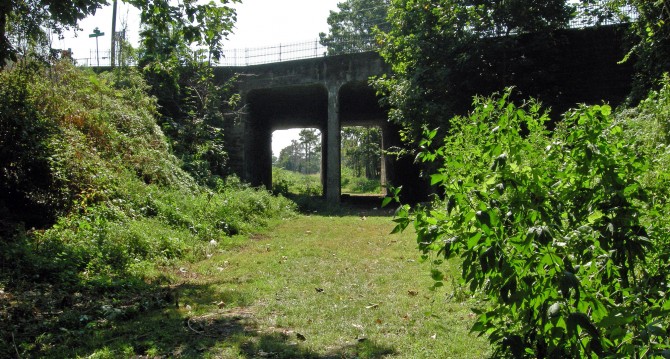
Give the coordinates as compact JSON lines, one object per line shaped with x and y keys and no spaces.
{"x":5,"y":46}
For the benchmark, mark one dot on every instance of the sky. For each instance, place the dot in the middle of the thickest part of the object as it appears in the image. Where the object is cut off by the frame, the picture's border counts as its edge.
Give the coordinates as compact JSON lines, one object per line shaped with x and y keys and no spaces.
{"x":259,"y":23}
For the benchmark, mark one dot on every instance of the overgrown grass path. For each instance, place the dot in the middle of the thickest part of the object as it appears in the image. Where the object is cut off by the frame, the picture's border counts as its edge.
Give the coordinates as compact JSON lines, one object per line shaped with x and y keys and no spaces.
{"x":314,"y":286}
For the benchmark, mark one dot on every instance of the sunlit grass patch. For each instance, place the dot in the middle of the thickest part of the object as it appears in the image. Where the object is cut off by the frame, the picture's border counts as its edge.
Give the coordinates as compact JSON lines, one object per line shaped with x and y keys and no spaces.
{"x":316,"y":286}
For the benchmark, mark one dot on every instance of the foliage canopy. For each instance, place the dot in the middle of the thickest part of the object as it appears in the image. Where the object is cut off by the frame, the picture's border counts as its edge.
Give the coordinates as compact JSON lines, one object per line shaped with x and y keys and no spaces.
{"x":444,"y":51}
{"x":352,"y":28}
{"x":24,"y":22}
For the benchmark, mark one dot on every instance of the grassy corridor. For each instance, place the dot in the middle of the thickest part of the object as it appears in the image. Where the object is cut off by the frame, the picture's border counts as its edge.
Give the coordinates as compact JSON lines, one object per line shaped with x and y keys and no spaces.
{"x":315,"y":287}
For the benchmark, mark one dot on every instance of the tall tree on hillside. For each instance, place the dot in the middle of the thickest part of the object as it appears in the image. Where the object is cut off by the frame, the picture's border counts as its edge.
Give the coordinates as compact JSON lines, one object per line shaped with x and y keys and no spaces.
{"x":191,"y":102}
{"x":352,"y":27}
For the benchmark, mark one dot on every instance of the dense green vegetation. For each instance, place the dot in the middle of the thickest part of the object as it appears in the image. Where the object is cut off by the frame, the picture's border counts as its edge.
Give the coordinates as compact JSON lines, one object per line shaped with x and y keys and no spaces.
{"x":94,"y":202}
{"x":650,"y":42}
{"x":443,"y":52}
{"x":563,"y":233}
{"x":114,"y":185}
{"x":111,"y":180}
{"x":352,"y":27}
{"x":289,"y":183}
{"x":362,"y":151}
{"x":285,"y":182}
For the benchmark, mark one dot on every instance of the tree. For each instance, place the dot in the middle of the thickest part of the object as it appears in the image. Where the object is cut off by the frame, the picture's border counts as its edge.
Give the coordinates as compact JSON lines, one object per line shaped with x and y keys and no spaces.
{"x":202,"y":24}
{"x":361,"y":151}
{"x":444,"y":51}
{"x":352,"y":27}
{"x":191,"y":102}
{"x":188,"y":22}
{"x":23,"y":20}
{"x":651,"y":44}
{"x":302,"y":155}
{"x":564,"y":233}
{"x":310,"y":140}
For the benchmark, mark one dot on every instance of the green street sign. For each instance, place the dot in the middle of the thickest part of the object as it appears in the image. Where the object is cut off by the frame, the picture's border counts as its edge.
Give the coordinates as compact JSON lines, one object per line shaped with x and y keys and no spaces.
{"x":96,"y":33}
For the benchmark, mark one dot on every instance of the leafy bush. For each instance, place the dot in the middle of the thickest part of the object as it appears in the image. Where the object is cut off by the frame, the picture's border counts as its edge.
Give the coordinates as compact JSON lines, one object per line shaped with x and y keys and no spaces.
{"x":26,"y":180}
{"x":560,"y":232}
{"x":75,"y":132}
{"x":155,"y":226}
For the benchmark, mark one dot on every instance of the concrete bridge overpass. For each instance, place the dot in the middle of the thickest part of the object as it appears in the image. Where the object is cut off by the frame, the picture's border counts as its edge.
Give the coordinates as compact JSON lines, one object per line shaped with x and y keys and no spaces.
{"x":331,"y":92}
{"x":326,"y":93}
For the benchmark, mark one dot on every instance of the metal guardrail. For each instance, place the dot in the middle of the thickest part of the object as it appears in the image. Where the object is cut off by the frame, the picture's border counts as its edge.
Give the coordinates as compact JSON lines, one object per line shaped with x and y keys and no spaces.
{"x":277,"y":53}
{"x":252,"y":56}
{"x":588,"y":16}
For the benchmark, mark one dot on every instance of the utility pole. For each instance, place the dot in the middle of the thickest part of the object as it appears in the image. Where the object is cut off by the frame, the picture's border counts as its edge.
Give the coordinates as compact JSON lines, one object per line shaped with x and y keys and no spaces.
{"x":113,"y":52}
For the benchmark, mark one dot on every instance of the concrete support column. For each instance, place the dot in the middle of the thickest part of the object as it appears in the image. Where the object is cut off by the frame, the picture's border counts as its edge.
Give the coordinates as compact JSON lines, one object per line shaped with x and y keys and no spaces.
{"x":324,"y":160}
{"x":383,"y":179}
{"x":266,"y":158}
{"x":333,"y":144}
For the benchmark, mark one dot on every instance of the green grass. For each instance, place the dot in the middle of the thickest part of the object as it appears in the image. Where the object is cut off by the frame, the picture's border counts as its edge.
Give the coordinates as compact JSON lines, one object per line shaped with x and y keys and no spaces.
{"x":129,"y":234}
{"x":315,"y":286}
{"x":288,"y":182}
{"x":96,"y":208}
{"x":359,"y":185}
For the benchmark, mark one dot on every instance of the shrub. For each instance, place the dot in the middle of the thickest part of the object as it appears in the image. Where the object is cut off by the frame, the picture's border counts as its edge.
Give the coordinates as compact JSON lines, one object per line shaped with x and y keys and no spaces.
{"x":27,"y":187}
{"x":557,"y":231}
{"x":84,"y":151}
{"x":352,"y":184}
{"x":68,"y":135}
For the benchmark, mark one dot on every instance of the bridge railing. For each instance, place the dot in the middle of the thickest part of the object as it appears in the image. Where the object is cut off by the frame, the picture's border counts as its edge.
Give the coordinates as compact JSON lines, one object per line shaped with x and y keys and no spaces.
{"x":276,"y":53}
{"x":295,"y":51}
{"x":94,"y":59}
